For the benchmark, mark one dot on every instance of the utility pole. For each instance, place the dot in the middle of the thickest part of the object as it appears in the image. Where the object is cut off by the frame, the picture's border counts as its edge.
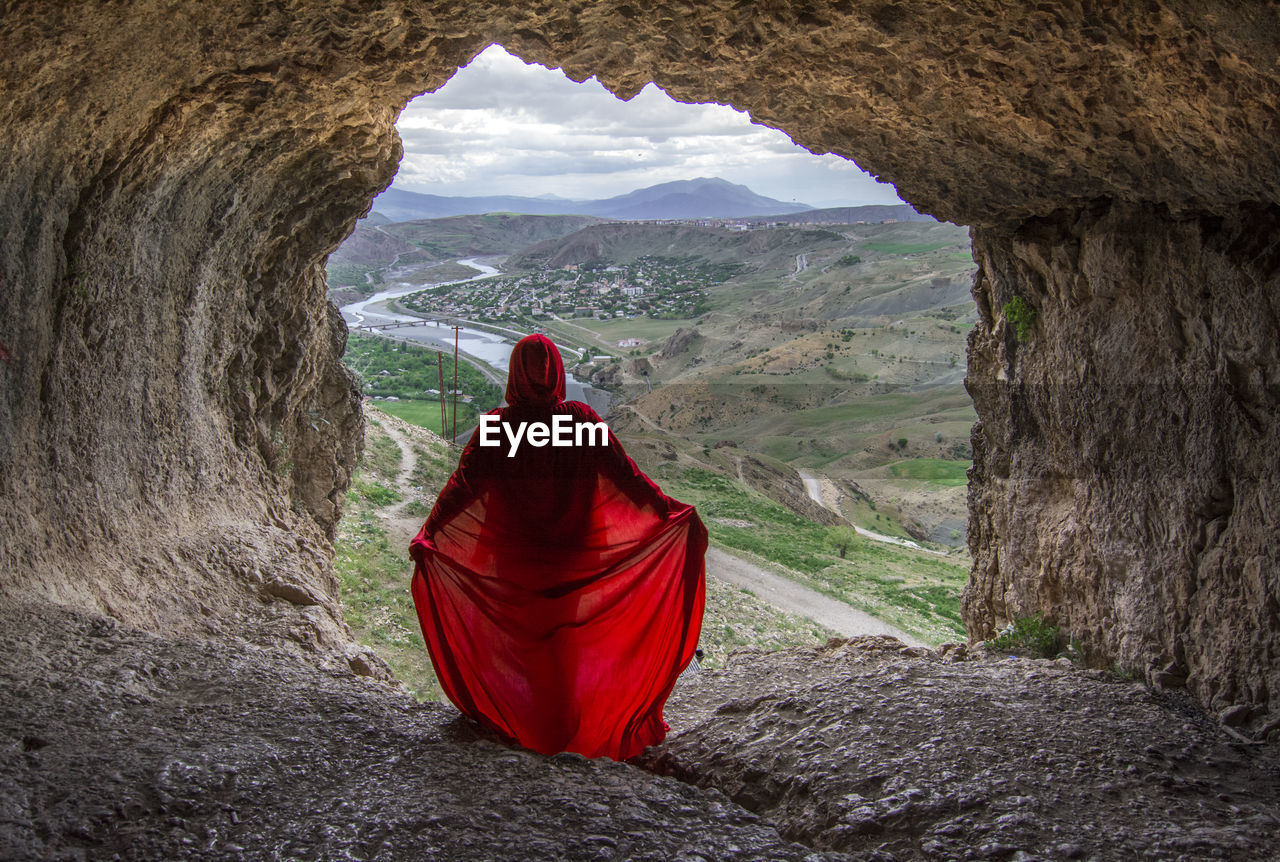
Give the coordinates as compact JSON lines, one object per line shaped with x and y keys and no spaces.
{"x":454,"y":437}
{"x":440,"y":370}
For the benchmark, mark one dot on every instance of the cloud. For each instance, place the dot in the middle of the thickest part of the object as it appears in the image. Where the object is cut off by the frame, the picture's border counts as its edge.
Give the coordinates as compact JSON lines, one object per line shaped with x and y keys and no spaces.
{"x":501,"y":126}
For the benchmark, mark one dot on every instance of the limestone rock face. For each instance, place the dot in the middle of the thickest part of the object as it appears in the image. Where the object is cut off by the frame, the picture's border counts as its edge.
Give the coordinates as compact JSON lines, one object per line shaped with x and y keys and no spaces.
{"x":1125,"y":465}
{"x":176,"y":429}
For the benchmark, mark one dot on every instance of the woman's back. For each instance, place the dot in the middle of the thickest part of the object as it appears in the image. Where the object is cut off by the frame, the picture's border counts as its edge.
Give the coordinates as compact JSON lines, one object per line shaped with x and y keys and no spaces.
{"x":560,"y":592}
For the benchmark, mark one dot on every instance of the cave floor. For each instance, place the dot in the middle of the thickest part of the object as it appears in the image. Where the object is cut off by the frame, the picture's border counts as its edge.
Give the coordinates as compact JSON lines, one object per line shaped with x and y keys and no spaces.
{"x":117,"y":743}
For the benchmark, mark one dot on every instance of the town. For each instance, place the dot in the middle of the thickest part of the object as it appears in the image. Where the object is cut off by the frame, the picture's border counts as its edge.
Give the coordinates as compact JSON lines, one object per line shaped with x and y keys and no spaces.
{"x":669,"y":288}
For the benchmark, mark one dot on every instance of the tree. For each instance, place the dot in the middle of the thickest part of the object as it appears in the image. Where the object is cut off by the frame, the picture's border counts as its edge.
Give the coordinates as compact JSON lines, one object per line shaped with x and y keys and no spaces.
{"x":842,"y":539}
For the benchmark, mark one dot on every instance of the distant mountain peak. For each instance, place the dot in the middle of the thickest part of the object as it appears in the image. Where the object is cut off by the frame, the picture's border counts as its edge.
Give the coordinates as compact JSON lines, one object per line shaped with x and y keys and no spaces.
{"x":701,"y":197}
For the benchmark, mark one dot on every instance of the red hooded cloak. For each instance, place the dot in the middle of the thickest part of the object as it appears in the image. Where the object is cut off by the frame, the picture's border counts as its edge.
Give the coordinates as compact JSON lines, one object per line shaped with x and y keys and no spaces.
{"x":560,"y":591}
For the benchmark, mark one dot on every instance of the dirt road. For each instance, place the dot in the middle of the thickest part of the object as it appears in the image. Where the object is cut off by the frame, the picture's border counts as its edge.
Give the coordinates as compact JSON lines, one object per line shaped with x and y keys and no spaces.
{"x":823,"y":492}
{"x":402,"y":527}
{"x":789,"y":596}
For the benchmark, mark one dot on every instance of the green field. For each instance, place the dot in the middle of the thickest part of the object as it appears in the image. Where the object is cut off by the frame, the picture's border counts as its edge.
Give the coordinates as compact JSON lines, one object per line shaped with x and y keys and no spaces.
{"x":947,"y":473}
{"x":818,"y":436}
{"x":904,"y":247}
{"x":392,"y":368}
{"x":385,"y":367}
{"x":426,"y":414}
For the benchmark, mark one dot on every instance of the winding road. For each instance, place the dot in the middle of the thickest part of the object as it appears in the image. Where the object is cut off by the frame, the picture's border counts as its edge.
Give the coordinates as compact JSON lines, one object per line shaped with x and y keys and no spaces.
{"x":813,"y":485}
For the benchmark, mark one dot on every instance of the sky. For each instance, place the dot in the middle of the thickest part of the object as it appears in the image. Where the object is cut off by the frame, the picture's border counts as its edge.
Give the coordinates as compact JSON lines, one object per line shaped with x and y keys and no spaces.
{"x":503,"y":127}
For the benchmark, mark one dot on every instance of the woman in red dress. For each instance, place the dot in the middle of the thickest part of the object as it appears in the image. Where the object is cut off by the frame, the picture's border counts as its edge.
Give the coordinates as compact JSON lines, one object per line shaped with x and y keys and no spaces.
{"x":560,"y":591}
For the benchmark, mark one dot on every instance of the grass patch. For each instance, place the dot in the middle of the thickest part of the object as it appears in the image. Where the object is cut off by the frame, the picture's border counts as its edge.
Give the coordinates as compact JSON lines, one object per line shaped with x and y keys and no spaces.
{"x":863,"y":513}
{"x":373,"y":492}
{"x":381,"y":459}
{"x":426,"y":414}
{"x":949,"y":474}
{"x":439,"y":274}
{"x":890,"y":247}
{"x":1031,"y":636}
{"x":1022,"y":316}
{"x":417,"y":509}
{"x":433,"y":468}
{"x":373,"y":578}
{"x":618,"y":329}
{"x":916,"y":591}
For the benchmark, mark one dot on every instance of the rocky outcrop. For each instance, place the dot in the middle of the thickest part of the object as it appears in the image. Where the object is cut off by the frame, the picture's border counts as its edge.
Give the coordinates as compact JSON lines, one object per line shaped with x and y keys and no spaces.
{"x":119,"y":743}
{"x":1125,"y":465}
{"x":176,"y":749}
{"x":882,"y":751}
{"x":678,"y":342}
{"x":174,"y":418}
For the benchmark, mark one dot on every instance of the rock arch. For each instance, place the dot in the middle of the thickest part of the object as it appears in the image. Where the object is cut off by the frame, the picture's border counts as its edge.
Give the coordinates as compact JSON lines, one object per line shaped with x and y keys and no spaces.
{"x":176,"y":430}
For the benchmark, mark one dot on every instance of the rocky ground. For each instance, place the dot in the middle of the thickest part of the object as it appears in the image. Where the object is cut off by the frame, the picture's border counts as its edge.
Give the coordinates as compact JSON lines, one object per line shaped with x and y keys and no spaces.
{"x":120,"y":744}
{"x":889,"y":752}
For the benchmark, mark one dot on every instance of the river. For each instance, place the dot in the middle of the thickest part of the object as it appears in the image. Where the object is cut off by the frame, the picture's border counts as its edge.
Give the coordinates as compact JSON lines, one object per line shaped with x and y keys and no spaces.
{"x":490,"y":348}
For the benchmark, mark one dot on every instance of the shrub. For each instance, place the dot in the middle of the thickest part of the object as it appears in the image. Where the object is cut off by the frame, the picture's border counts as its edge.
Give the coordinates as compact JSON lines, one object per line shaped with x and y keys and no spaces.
{"x":1031,"y":636}
{"x":376,"y":493}
{"x":1023,"y":317}
{"x":842,"y":539}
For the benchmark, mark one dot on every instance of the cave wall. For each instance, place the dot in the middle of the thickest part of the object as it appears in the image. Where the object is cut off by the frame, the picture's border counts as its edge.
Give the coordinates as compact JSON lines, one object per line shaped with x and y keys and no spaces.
{"x":1125,"y":463}
{"x":176,"y":431}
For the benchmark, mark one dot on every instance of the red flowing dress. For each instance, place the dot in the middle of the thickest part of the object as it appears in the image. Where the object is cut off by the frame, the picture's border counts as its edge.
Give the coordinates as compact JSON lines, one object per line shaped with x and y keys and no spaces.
{"x":560,"y":591}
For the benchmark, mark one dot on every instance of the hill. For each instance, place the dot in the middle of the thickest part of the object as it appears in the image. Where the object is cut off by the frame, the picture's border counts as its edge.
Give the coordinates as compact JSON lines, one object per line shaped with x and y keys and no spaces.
{"x":623,"y":243}
{"x":827,"y":369}
{"x":376,"y":243}
{"x":399,"y":205}
{"x":870,"y":214}
{"x":704,"y":197}
{"x":836,"y":350}
{"x":492,"y":233}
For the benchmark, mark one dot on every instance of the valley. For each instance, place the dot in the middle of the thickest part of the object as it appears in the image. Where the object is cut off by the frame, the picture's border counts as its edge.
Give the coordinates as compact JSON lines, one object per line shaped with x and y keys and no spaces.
{"x":745,"y":360}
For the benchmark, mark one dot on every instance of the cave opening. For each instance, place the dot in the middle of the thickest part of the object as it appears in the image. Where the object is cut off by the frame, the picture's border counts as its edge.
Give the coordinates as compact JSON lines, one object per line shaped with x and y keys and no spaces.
{"x":504,"y":145}
{"x":177,"y":433}
{"x":175,"y":402}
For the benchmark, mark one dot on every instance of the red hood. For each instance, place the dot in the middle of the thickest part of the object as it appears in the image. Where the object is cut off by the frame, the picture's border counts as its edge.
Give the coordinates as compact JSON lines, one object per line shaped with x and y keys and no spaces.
{"x":536,"y":375}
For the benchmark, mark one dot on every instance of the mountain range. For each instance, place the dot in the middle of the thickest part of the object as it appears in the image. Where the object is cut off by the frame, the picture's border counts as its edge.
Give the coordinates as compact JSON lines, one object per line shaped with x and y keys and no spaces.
{"x":705,"y":197}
